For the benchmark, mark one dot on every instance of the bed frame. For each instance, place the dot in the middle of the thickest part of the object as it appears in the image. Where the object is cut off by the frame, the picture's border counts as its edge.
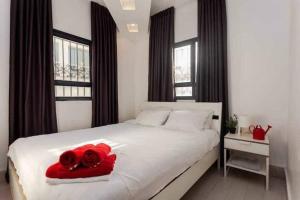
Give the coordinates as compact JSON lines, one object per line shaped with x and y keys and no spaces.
{"x":179,"y":185}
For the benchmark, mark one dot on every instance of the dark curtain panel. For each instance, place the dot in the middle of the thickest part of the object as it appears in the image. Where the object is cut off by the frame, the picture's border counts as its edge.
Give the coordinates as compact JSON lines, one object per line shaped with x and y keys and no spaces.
{"x":104,"y":67}
{"x":31,"y":89}
{"x":212,"y":83}
{"x":160,"y":86}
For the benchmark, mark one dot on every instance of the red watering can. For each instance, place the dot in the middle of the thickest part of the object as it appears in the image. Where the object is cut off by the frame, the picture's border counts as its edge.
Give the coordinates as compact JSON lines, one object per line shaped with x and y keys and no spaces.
{"x":258,"y":132}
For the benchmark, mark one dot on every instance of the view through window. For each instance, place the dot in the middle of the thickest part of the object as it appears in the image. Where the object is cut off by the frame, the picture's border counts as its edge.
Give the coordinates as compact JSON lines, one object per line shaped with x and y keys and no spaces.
{"x":185,"y":60}
{"x":71,"y":68}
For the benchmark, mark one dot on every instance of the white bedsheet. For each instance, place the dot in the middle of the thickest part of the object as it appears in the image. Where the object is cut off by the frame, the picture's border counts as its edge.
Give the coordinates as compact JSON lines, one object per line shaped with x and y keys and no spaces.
{"x":57,"y":181}
{"x":148,"y":158}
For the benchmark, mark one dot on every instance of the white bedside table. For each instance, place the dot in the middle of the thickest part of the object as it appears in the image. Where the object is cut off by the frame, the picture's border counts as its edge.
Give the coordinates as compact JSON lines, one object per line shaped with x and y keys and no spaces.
{"x":255,"y":158}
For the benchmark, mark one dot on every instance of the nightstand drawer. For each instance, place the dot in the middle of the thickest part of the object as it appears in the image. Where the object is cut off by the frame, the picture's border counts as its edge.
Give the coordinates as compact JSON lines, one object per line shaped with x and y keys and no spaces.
{"x":251,"y":147}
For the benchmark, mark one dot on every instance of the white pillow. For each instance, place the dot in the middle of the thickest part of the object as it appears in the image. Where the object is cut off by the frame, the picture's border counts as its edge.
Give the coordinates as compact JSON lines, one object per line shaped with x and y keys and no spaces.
{"x":152,"y":117}
{"x":187,"y":120}
{"x":209,"y":121}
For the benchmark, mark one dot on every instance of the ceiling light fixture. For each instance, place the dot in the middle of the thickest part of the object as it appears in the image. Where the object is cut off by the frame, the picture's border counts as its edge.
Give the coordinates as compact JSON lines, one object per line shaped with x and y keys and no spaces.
{"x":128,"y":4}
{"x":133,"y":28}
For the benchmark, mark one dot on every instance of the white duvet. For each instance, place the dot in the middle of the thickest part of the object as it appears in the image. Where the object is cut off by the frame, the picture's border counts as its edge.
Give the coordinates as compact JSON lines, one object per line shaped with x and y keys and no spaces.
{"x":148,"y":158}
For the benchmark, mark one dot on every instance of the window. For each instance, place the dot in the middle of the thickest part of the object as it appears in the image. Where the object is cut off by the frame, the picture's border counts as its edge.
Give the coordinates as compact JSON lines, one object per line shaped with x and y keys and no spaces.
{"x":185,"y":60}
{"x":72,"y":72}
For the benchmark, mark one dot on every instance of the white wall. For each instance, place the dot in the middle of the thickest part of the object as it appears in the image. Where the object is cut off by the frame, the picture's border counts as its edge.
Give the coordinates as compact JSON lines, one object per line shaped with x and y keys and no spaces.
{"x":258,"y":40}
{"x":185,"y":28}
{"x":72,"y":16}
{"x":126,"y":59}
{"x":186,"y":19}
{"x":78,"y":114}
{"x":4,"y":79}
{"x":141,"y":70}
{"x":258,"y":45}
{"x":72,"y":115}
{"x":294,"y":106}
{"x":258,"y":66}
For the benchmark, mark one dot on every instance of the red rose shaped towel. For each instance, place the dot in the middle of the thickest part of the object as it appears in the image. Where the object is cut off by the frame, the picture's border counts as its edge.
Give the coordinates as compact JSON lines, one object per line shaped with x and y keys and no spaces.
{"x":92,"y":157}
{"x":72,"y":158}
{"x":57,"y":171}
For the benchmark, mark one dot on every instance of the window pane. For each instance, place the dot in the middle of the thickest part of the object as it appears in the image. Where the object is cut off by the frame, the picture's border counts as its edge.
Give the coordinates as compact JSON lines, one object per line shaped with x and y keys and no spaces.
{"x":87,"y":92}
{"x":81,"y":91}
{"x":80,"y":63}
{"x":74,"y":91}
{"x":87,"y":63}
{"x":183,"y":64}
{"x":184,"y":91}
{"x":73,"y":62}
{"x":67,"y":90}
{"x":59,"y":91}
{"x":67,"y":56}
{"x":58,"y":59}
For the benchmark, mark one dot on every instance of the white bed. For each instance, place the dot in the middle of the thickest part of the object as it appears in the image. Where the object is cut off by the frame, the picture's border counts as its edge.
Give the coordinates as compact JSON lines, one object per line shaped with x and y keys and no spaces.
{"x":152,"y":162}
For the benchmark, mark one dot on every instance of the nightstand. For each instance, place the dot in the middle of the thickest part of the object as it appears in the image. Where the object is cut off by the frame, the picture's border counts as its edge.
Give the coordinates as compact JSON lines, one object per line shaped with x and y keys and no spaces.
{"x":247,"y":154}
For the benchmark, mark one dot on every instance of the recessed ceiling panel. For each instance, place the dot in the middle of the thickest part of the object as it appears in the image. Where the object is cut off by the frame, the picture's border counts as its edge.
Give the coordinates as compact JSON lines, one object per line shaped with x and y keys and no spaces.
{"x":128,"y":4}
{"x":139,"y":16}
{"x":133,"y":28}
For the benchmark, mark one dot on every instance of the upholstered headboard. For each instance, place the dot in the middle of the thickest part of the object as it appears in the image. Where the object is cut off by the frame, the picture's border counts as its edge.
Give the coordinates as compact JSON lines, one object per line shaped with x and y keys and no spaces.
{"x":216,"y":107}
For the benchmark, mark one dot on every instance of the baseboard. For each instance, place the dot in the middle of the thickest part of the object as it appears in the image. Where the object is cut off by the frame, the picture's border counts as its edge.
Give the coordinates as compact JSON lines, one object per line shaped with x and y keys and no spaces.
{"x":288,"y":184}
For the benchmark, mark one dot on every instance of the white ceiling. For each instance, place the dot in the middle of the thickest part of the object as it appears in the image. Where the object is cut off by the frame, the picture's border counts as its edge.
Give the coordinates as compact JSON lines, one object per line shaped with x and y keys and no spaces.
{"x":101,"y":2}
{"x":141,"y":16}
{"x":160,"y":5}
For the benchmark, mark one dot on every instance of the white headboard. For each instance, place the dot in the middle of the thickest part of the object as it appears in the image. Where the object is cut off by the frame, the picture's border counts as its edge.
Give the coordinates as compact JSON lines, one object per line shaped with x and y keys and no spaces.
{"x":216,"y":107}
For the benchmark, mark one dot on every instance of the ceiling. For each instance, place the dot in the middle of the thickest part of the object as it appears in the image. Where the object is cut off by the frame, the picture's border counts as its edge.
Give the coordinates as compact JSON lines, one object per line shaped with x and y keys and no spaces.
{"x":101,"y":2}
{"x":160,"y":5}
{"x":140,"y":16}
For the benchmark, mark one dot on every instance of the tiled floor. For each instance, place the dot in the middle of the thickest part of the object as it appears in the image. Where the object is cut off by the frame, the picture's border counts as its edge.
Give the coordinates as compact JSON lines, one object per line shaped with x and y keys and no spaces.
{"x":213,"y":186}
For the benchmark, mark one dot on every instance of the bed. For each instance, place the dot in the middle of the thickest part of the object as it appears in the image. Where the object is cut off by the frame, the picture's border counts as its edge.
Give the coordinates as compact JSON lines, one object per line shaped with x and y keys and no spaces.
{"x":152,"y":162}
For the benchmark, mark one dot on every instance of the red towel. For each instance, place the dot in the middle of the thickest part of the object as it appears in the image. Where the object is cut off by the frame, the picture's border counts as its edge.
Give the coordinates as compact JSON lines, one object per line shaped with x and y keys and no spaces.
{"x":72,"y":158}
{"x":105,"y":168}
{"x":94,"y":156}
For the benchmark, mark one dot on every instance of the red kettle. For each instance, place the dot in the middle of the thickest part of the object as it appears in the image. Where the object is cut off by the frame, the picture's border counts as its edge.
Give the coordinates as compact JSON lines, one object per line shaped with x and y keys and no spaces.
{"x":258,"y":132}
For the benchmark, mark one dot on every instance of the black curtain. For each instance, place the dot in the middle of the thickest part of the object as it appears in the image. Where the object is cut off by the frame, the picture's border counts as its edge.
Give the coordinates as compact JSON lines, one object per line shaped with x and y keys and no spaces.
{"x":212,"y":82}
{"x":31,"y":90}
{"x":104,"y":67}
{"x":160,"y":86}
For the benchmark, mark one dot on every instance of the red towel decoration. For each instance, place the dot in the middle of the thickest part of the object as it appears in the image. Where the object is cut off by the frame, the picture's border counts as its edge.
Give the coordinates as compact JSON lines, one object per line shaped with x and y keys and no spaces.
{"x":92,"y":157}
{"x":83,"y":162}
{"x":72,"y":158}
{"x":105,"y":168}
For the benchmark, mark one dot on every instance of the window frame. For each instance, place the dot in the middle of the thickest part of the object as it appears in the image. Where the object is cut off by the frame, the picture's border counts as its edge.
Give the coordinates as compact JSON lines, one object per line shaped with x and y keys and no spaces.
{"x":74,"y":38}
{"x":192,"y":83}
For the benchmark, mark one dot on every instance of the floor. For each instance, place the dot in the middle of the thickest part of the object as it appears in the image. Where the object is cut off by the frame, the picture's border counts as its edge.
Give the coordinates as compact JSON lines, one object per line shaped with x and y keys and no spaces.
{"x":4,"y":189}
{"x":238,"y":185}
{"x":213,"y":186}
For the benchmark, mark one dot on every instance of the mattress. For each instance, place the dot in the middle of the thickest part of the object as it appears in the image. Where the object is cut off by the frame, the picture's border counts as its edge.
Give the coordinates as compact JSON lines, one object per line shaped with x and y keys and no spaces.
{"x":148,"y":158}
